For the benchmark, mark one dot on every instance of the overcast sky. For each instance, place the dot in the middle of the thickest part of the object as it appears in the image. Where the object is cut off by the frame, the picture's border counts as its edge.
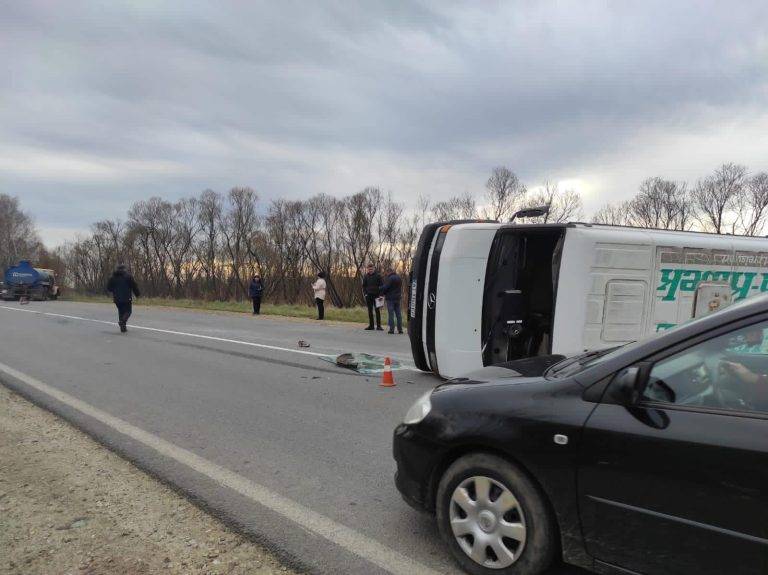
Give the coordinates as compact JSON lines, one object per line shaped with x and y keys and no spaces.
{"x":103,"y":104}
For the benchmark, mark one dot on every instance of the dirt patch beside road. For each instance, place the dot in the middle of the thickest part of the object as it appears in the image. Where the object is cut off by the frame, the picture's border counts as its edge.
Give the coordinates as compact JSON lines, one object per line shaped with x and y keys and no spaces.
{"x":69,"y":505}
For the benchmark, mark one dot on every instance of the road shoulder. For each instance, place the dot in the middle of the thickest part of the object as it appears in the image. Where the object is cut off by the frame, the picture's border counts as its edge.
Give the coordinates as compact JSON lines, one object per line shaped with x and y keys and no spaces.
{"x":69,"y":505}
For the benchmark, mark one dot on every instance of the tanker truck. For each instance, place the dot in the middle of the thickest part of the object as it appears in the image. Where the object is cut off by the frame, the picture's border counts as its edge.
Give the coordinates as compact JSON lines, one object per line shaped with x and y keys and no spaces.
{"x":25,"y":281}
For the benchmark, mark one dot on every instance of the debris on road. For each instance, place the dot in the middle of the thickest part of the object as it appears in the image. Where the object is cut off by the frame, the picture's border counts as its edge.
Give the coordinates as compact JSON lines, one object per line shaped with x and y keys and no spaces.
{"x":363,"y":363}
{"x":69,"y":505}
{"x":303,"y":343}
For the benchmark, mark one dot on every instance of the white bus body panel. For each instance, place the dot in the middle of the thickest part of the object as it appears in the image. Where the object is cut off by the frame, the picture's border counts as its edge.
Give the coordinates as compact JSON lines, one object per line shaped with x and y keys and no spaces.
{"x":594,"y":261}
{"x":614,"y":285}
{"x":459,"y":297}
{"x":619,"y":284}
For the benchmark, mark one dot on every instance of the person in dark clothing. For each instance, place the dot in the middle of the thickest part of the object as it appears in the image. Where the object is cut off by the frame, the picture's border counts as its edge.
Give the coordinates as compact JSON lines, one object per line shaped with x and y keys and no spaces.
{"x":255,"y":291}
{"x":372,"y":283}
{"x":123,"y":287}
{"x":392,"y":290}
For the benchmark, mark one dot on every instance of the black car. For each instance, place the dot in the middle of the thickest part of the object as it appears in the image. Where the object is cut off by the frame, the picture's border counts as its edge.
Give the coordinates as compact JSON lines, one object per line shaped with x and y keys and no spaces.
{"x":649,"y":458}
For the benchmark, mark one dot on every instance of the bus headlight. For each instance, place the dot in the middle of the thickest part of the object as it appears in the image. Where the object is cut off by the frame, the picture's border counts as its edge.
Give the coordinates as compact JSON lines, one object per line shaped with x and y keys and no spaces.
{"x":419,"y":410}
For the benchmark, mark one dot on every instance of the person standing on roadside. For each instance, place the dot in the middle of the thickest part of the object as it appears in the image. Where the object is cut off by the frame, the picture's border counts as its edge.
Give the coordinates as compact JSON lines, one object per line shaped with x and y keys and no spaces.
{"x":123,"y":287}
{"x":255,"y":291}
{"x":319,"y":288}
{"x":392,"y":290}
{"x":372,"y":283}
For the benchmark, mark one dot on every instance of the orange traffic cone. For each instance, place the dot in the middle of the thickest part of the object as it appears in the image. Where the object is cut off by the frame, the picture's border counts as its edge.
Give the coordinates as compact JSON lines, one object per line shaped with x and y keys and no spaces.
{"x":387,"y":380}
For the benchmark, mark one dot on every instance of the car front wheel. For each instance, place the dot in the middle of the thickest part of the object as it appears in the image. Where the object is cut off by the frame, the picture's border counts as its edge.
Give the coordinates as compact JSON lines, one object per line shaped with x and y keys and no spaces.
{"x":493,"y":518}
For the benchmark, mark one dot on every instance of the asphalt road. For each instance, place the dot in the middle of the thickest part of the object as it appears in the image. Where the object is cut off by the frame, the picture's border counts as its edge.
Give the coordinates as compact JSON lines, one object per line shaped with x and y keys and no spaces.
{"x":228,"y":410}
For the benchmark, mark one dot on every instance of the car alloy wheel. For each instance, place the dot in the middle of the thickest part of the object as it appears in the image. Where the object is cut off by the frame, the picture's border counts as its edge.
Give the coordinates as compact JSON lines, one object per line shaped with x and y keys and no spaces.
{"x":487,"y":522}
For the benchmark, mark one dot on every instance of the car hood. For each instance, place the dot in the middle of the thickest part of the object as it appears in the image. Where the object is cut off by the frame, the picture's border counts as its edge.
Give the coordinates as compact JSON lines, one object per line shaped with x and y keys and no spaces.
{"x":520,"y":395}
{"x":524,"y":369}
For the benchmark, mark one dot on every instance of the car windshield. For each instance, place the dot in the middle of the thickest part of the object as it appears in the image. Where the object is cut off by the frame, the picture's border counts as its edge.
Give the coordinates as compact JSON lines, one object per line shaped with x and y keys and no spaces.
{"x":573,"y":365}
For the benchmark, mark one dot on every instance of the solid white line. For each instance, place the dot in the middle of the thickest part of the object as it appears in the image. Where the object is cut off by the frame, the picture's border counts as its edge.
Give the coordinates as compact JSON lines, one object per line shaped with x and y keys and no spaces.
{"x":187,"y":334}
{"x":172,"y":332}
{"x":343,"y":536}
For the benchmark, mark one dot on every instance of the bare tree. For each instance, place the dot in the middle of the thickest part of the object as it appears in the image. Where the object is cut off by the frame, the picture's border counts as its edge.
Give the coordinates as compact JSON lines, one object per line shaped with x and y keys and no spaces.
{"x":465,"y":206}
{"x":612,"y":214}
{"x":661,"y":204}
{"x":149,"y":230}
{"x":423,"y":205}
{"x":408,"y":236}
{"x":388,"y":225}
{"x":717,"y":195}
{"x":18,"y":236}
{"x":319,"y":229}
{"x":107,"y":241}
{"x":564,"y":206}
{"x":80,"y":263}
{"x":503,"y":192}
{"x":567,"y":206}
{"x":456,"y":208}
{"x":207,"y":247}
{"x":752,"y":205}
{"x":361,"y":210}
{"x":184,"y":225}
{"x":288,"y":249}
{"x":237,"y":225}
{"x":442,"y":212}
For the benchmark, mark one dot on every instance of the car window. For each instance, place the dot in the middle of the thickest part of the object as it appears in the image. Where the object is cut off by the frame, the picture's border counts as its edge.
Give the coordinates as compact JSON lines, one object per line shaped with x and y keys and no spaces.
{"x":726,"y":372}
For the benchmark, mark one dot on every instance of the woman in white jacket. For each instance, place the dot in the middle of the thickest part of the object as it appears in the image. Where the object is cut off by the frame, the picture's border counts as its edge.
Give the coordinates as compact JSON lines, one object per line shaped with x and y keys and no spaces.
{"x":319,"y":288}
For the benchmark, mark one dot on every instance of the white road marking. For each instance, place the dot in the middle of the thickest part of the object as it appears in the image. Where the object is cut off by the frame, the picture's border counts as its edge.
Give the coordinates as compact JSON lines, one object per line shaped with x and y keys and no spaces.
{"x":187,"y":334}
{"x":346,"y":537}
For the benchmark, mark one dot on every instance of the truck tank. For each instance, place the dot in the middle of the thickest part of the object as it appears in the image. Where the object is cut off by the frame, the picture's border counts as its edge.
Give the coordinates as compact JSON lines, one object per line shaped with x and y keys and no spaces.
{"x":23,"y":280}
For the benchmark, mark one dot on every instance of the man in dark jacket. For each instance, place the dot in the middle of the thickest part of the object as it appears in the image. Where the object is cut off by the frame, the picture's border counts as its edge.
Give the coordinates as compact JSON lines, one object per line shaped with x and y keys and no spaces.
{"x":255,"y":291}
{"x":123,"y":287}
{"x":392,"y":290}
{"x":371,"y":286}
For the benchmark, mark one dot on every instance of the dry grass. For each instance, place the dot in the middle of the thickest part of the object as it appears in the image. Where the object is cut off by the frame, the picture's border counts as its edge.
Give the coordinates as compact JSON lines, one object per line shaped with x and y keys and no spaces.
{"x":352,"y":315}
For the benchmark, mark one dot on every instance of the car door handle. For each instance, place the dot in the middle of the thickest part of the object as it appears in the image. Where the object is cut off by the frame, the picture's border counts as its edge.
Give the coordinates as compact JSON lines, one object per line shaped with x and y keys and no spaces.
{"x":561,"y":439}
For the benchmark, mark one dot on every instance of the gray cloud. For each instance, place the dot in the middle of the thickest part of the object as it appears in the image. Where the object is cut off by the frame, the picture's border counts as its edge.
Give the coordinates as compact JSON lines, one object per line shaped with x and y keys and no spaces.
{"x":103,"y":104}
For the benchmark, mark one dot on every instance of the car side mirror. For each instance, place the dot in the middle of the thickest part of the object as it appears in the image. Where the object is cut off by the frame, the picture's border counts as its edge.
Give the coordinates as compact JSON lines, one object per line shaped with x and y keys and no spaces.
{"x":627,"y":386}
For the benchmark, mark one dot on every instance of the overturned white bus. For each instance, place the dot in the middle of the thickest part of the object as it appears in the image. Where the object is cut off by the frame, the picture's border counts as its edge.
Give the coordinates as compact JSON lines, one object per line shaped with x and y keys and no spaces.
{"x":484,"y":293}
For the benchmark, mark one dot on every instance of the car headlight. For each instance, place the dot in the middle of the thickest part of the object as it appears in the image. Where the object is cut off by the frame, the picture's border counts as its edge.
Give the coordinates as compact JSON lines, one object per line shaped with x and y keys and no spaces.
{"x":419,"y":410}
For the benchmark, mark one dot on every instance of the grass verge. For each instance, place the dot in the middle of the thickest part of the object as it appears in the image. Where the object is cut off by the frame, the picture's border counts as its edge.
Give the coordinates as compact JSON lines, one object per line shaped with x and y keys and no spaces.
{"x":352,"y":315}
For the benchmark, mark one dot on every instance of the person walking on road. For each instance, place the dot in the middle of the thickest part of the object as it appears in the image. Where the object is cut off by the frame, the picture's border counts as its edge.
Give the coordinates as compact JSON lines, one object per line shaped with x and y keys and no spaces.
{"x":392,"y":290}
{"x":255,"y":291}
{"x":372,"y":283}
{"x":319,"y":288}
{"x":123,"y":287}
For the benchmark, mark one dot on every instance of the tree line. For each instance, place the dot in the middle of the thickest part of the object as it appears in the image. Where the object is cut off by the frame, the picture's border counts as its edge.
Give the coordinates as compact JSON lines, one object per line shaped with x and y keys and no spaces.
{"x":729,"y":201}
{"x":207,"y":246}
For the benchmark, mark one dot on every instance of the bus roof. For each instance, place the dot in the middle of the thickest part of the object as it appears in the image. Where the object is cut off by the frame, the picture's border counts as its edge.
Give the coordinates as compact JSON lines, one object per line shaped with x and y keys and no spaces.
{"x":620,"y":228}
